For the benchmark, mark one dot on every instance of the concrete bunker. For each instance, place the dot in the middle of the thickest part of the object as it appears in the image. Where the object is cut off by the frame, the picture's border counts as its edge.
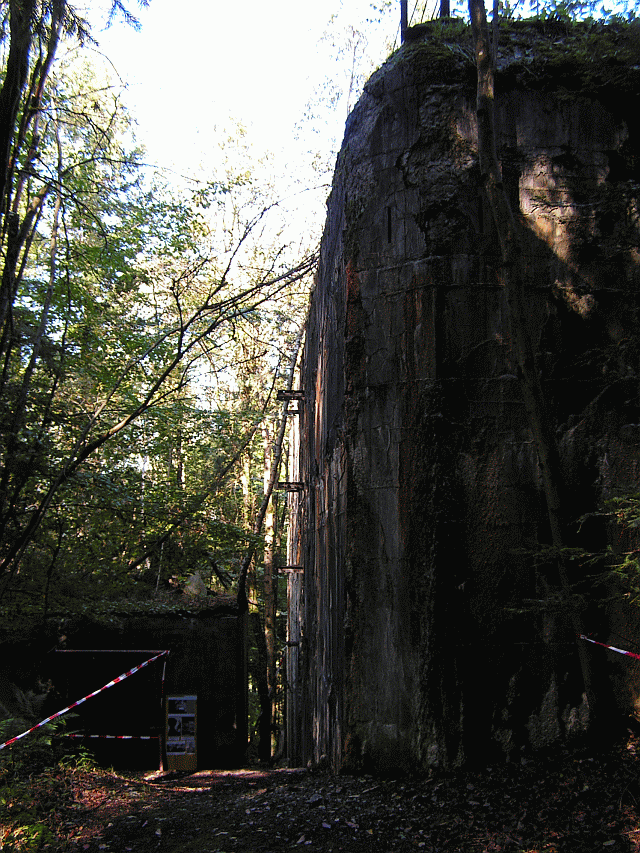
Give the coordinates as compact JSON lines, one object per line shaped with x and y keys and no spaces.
{"x":411,"y":642}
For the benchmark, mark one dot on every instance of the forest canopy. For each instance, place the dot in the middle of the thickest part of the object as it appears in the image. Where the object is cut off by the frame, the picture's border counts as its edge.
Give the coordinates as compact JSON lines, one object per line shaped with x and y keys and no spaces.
{"x":143,"y":334}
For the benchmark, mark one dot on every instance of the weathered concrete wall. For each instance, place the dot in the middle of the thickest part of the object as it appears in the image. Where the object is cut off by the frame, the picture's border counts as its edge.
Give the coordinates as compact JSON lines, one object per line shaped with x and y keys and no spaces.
{"x":411,"y":644}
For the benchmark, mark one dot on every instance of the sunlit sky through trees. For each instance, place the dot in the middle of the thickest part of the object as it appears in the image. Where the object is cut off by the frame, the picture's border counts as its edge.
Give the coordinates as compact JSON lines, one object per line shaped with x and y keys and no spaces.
{"x":195,"y":68}
{"x":287,"y":72}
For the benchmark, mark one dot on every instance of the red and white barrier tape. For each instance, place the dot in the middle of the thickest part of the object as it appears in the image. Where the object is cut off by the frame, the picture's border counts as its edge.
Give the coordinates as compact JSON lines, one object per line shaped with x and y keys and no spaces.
{"x":611,"y":648}
{"x":80,"y":701}
{"x":112,"y":737}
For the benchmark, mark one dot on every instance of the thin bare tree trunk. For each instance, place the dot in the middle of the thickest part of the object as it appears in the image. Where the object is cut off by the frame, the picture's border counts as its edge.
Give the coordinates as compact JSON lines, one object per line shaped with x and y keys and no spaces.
{"x":270,"y":581}
{"x":259,"y":673}
{"x":266,"y":518}
{"x":273,"y":476}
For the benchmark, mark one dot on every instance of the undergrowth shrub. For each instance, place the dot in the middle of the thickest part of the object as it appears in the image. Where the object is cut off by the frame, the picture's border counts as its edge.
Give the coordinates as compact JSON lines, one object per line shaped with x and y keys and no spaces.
{"x":34,"y":785}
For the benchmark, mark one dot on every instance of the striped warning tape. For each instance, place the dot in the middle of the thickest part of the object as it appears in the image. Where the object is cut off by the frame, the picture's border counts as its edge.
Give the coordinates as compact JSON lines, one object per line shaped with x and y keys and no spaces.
{"x":84,"y":699}
{"x":611,"y":648}
{"x":111,"y":737}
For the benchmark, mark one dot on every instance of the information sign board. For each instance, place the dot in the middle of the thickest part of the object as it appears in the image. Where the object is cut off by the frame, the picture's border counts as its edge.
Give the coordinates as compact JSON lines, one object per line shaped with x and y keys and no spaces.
{"x":181,"y":733}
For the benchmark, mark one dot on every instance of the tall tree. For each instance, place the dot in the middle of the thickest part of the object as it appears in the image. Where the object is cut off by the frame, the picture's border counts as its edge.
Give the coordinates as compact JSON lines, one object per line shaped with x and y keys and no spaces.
{"x":114,"y":296}
{"x":264,"y":625}
{"x":516,"y":278}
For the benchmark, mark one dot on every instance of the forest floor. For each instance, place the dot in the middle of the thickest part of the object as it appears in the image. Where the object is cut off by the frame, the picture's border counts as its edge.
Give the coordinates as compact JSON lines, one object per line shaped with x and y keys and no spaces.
{"x":569,"y":801}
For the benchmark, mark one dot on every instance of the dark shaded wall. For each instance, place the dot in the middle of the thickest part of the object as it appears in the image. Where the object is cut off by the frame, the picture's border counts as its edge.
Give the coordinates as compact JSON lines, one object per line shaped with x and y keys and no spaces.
{"x":414,"y":635}
{"x":207,"y":658}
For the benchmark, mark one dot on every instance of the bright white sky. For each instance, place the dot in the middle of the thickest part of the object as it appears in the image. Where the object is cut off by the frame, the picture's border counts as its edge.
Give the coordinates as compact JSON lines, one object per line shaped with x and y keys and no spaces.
{"x":195,"y":63}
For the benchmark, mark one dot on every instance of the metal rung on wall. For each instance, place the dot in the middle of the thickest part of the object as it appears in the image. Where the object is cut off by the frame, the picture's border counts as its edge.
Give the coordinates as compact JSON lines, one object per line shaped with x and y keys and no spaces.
{"x":290,"y":486}
{"x":291,"y":395}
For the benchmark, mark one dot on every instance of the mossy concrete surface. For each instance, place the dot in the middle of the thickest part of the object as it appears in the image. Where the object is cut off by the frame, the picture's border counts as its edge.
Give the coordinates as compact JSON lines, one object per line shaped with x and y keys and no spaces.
{"x":427,"y":628}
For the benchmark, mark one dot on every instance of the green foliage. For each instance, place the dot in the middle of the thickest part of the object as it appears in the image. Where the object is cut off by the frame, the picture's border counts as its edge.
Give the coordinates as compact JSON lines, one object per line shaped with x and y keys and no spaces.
{"x":624,"y":510}
{"x":32,"y":753}
{"x":122,"y":407}
{"x":31,"y":786}
{"x":142,"y":334}
{"x":26,"y":831}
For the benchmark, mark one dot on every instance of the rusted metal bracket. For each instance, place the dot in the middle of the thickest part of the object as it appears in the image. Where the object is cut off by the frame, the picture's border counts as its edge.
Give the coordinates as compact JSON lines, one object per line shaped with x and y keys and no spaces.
{"x":291,"y":395}
{"x":290,"y":486}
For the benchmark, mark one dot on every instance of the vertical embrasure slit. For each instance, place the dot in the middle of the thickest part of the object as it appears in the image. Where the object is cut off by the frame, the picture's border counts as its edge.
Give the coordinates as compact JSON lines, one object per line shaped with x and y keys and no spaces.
{"x":388,"y":225}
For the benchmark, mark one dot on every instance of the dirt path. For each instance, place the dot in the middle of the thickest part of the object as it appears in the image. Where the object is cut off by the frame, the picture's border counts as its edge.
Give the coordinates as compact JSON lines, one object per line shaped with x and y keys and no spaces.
{"x":571,"y":802}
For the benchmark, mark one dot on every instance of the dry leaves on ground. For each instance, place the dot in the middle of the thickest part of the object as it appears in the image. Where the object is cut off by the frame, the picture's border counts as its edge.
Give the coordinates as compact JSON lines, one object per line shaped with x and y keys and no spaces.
{"x":572,"y":802}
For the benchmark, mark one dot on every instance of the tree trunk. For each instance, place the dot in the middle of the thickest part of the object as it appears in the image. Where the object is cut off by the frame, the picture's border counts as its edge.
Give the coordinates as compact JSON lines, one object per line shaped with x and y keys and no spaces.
{"x":273,"y":476}
{"x":21,"y":15}
{"x":260,"y":678}
{"x":270,"y":478}
{"x":516,"y":275}
{"x":270,"y":582}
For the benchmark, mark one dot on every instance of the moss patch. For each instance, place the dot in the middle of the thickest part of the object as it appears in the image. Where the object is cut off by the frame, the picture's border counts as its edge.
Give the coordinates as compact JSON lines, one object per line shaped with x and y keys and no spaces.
{"x":590,"y":58}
